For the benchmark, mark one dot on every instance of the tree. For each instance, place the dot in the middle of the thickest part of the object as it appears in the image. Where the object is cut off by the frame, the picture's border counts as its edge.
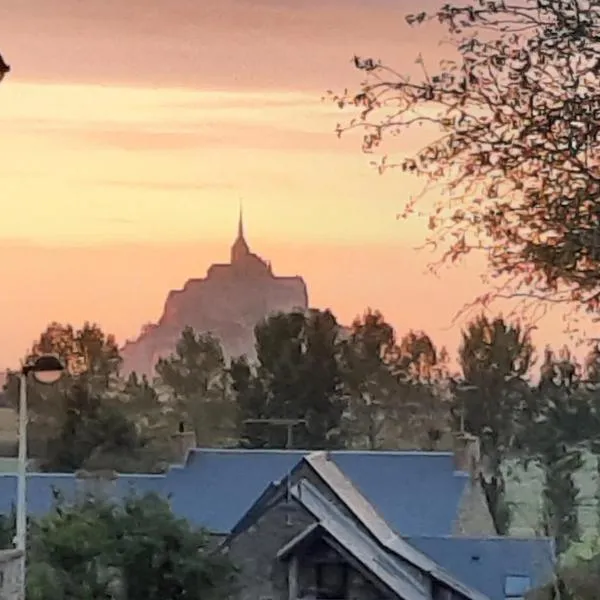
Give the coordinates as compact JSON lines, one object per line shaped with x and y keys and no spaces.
{"x":370,"y":385}
{"x":89,"y":355}
{"x":299,"y":377}
{"x":96,"y":434}
{"x":494,"y":356}
{"x":137,"y":550}
{"x":514,"y":126}
{"x":425,"y":380}
{"x":154,"y":419}
{"x":85,"y":351}
{"x":197,"y":379}
{"x":251,"y":399}
{"x":559,"y":427}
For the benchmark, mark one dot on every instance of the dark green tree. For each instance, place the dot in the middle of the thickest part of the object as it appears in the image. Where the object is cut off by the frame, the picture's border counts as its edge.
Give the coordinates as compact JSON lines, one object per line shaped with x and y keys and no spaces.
{"x":591,"y":384}
{"x":299,"y":374}
{"x":139,"y":550}
{"x":560,"y":423}
{"x":251,"y":398}
{"x":89,"y":355}
{"x":371,"y":387}
{"x":197,"y":379}
{"x":510,"y":121}
{"x":494,"y":356}
{"x":425,"y":407}
{"x":96,"y":434}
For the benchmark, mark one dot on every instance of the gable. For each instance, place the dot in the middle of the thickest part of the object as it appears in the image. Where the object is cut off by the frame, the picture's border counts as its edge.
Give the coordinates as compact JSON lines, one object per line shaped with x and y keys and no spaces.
{"x":359,"y":549}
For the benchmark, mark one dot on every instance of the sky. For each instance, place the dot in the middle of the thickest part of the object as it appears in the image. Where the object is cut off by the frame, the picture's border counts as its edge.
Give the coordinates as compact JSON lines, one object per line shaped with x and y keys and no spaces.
{"x":130,"y":132}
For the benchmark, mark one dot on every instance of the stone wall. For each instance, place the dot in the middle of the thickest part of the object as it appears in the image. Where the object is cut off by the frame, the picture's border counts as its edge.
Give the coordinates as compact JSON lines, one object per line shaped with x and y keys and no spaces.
{"x":254,"y":551}
{"x":474,"y":516}
{"x":264,"y":577}
{"x":229,"y":305}
{"x":9,"y":574}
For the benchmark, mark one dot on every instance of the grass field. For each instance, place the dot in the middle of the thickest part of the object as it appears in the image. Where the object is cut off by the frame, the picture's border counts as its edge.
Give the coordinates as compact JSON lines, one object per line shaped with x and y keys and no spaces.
{"x":524,"y":492}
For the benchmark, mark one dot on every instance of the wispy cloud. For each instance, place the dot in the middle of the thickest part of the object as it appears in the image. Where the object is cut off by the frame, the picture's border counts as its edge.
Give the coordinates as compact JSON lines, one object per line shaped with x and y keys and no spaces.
{"x":166,"y":186}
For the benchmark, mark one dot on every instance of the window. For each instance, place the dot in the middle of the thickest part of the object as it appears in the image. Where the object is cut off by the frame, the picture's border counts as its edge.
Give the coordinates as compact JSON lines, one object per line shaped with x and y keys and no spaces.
{"x":332,"y":581}
{"x":516,"y":586}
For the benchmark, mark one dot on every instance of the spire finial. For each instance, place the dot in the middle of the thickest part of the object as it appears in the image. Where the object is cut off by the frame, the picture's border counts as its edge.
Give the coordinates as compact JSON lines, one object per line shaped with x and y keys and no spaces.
{"x":241,"y":221}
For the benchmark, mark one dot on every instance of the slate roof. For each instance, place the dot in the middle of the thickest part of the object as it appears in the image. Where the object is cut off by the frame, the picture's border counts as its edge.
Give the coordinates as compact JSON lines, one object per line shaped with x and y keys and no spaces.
{"x":370,"y":518}
{"x":485,"y":563}
{"x":216,"y":487}
{"x":41,"y":488}
{"x":231,"y":480}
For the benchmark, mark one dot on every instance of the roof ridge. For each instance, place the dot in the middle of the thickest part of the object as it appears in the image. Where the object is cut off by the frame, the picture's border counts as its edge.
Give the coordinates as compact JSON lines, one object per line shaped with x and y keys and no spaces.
{"x":325,"y":467}
{"x":474,"y":538}
{"x":247,"y":451}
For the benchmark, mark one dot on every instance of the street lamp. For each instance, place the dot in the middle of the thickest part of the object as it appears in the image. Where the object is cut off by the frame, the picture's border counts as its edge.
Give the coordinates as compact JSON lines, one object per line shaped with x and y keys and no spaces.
{"x":4,"y":68}
{"x":46,"y":369}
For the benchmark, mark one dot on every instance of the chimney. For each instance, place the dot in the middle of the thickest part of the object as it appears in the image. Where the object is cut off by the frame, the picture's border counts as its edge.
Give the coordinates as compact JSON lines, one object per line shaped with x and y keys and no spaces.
{"x":184,"y":441}
{"x":467,"y":454}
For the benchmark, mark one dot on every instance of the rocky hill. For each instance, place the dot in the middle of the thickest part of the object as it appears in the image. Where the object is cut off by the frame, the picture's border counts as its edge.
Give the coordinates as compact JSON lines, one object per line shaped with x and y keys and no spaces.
{"x":228,"y":302}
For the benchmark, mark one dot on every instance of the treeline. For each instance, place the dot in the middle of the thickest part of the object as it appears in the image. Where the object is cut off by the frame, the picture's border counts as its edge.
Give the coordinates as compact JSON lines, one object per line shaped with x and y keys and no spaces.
{"x":360,"y":387}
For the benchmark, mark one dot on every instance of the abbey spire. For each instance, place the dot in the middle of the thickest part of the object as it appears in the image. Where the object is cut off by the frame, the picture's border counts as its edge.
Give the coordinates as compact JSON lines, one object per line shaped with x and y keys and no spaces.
{"x":240,"y":248}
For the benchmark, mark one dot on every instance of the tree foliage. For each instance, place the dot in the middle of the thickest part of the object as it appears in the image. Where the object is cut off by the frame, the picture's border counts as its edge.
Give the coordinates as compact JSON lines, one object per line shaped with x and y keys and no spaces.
{"x":298,"y":375}
{"x":197,"y":380}
{"x":371,"y":387}
{"x":95,"y":434}
{"x":137,"y":550}
{"x":514,"y":109}
{"x":560,"y":424}
{"x":86,"y":351}
{"x":494,"y":357}
{"x":90,"y":417}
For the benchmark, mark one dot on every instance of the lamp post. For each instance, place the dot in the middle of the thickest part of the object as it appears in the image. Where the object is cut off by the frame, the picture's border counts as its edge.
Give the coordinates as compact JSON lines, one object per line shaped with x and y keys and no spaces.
{"x":4,"y":68}
{"x":46,"y":369}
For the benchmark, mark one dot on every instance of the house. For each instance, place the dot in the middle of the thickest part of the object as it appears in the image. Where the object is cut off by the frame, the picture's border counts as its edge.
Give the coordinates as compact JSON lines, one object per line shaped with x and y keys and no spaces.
{"x":395,"y":524}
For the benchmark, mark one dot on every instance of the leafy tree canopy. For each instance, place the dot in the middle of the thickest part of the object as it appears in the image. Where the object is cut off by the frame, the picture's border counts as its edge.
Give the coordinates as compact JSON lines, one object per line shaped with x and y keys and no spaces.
{"x":137,"y":550}
{"x":87,"y":350}
{"x":197,"y":380}
{"x":297,"y":377}
{"x":514,"y":113}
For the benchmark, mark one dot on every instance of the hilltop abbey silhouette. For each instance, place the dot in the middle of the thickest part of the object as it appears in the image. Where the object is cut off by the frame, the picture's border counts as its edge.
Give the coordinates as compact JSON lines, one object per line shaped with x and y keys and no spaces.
{"x":228,"y":302}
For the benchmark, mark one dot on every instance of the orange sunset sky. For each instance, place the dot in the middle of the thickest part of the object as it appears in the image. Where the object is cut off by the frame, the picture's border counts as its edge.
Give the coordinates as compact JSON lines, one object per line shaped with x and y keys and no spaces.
{"x":129,"y":131}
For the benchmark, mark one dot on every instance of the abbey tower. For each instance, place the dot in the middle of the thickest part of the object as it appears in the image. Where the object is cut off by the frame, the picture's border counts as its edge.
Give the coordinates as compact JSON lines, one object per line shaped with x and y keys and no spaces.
{"x":228,"y":302}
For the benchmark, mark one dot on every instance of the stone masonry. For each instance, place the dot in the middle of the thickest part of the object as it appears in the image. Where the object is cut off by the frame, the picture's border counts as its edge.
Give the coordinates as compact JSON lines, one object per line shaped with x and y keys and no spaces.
{"x":9,"y":574}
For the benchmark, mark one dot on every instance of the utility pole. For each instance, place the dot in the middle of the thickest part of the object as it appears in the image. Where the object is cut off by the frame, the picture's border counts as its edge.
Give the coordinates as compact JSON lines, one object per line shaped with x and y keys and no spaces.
{"x":289,"y":424}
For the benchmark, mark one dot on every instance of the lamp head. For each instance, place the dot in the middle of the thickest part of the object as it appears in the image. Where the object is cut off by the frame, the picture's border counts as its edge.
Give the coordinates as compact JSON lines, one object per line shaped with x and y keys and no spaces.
{"x":47,"y":368}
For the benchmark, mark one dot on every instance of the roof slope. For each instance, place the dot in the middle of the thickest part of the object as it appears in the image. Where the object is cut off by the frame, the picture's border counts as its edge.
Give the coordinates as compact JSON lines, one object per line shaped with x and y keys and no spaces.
{"x":485,"y":563}
{"x":368,"y":516}
{"x":42,"y":489}
{"x":422,"y":490}
{"x":387,"y":569}
{"x":216,"y":488}
{"x":421,"y":494}
{"x":384,"y":558}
